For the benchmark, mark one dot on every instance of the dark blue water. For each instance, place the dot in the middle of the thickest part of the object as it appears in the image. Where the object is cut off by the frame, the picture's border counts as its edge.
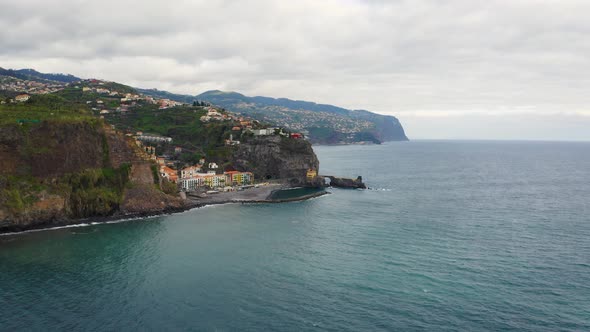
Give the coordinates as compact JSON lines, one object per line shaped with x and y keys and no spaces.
{"x":455,"y":236}
{"x":295,"y":193}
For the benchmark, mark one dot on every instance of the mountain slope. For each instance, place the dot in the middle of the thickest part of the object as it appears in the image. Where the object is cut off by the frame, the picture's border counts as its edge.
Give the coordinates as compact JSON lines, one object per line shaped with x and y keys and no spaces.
{"x":323,"y":123}
{"x":168,"y":95}
{"x":33,"y":75}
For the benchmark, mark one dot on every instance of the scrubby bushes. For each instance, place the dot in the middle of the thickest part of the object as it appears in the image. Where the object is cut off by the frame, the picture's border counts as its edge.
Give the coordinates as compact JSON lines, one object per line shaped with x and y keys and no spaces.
{"x":97,"y":191}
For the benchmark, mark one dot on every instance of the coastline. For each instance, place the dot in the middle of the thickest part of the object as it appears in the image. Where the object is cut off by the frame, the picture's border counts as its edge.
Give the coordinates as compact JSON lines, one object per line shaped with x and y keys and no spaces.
{"x":221,"y":198}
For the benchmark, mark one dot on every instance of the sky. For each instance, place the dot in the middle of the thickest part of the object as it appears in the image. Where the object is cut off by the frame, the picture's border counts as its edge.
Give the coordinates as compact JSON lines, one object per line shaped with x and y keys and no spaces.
{"x":448,"y":69}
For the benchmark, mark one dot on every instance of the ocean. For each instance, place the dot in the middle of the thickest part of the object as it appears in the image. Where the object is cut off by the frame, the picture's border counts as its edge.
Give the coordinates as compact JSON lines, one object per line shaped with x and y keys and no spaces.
{"x":451,"y":236}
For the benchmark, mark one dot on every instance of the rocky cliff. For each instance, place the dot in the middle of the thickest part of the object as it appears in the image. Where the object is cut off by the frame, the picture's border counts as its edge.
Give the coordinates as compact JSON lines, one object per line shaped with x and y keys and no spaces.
{"x":48,"y":150}
{"x":55,"y":173}
{"x":276,"y":157}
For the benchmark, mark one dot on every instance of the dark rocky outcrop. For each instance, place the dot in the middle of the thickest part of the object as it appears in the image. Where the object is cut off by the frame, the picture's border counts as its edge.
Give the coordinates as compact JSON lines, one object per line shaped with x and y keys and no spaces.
{"x":276,"y":157}
{"x":347,"y":183}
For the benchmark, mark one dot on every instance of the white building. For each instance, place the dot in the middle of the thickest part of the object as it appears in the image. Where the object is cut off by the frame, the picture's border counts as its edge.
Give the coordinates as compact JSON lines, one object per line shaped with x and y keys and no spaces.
{"x":199,"y":180}
{"x":190,"y":184}
{"x":189,"y":172}
{"x":264,"y":132}
{"x":154,"y":138}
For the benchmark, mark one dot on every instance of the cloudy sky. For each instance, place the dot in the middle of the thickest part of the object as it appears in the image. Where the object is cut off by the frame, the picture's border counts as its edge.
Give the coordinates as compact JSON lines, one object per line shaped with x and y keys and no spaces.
{"x":517,"y":69}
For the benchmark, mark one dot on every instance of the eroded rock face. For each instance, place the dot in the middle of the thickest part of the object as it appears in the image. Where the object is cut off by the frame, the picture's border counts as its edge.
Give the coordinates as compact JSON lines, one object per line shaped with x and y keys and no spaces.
{"x":145,"y":199}
{"x":48,"y":150}
{"x":275,"y":157}
{"x":347,"y":183}
{"x":49,"y":209}
{"x":45,"y":171}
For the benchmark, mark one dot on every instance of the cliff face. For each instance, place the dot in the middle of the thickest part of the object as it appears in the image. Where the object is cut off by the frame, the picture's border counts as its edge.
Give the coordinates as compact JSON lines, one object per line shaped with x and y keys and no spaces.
{"x":390,"y":129}
{"x":276,"y":157}
{"x":49,"y":150}
{"x":56,"y":173}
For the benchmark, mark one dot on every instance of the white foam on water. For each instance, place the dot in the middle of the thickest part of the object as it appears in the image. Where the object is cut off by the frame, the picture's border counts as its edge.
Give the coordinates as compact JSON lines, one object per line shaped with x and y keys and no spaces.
{"x":380,"y":189}
{"x":47,"y":229}
{"x":116,"y":221}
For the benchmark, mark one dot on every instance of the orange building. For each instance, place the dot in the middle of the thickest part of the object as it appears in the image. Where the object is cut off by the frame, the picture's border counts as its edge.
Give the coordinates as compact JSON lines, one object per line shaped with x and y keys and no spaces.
{"x":169,"y":174}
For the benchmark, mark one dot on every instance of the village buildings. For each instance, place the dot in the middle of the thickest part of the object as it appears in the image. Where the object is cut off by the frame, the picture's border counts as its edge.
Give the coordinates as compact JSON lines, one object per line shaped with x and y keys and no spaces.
{"x":191,"y":179}
{"x":231,"y":141}
{"x":22,"y":98}
{"x":191,"y":171}
{"x":169,"y":174}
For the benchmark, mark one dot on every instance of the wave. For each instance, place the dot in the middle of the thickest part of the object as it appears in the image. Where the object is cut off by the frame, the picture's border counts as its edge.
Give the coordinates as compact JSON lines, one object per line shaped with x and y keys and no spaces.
{"x":115,"y":221}
{"x":47,"y":229}
{"x":380,"y":189}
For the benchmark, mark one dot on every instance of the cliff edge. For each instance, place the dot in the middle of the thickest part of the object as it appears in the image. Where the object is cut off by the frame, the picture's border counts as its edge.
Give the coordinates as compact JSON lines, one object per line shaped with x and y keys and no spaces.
{"x":59,"y":172}
{"x":276,"y":158}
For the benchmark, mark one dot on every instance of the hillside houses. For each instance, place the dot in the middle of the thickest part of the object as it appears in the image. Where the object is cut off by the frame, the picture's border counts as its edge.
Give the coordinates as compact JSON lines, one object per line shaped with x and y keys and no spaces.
{"x":191,"y":171}
{"x":29,"y":87}
{"x":168,"y":174}
{"x":22,"y":98}
{"x":167,"y":103}
{"x":231,"y":141}
{"x":215,"y":115}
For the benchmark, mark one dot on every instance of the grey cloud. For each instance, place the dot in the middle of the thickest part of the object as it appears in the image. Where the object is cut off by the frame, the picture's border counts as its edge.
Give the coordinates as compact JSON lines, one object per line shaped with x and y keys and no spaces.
{"x":398,"y":57}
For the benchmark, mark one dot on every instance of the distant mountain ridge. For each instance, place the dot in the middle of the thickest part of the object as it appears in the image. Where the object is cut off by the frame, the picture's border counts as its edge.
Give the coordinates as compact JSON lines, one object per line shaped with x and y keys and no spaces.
{"x":33,"y":75}
{"x":322,"y":123}
{"x":325,"y":124}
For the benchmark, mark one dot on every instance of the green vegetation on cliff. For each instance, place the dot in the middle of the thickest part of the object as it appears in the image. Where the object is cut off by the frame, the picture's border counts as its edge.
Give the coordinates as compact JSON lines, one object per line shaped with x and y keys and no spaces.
{"x":57,"y":169}
{"x":96,"y":192}
{"x":18,"y":193}
{"x":183,"y":124}
{"x":90,"y":192}
{"x":48,"y":107}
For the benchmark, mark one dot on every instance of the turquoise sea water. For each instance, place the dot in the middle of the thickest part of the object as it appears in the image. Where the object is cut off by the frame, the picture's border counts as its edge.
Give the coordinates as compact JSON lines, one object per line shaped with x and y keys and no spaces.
{"x":453,"y":236}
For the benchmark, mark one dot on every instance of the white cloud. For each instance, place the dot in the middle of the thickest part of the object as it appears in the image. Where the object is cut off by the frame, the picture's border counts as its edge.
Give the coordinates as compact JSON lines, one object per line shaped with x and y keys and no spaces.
{"x":416,"y":59}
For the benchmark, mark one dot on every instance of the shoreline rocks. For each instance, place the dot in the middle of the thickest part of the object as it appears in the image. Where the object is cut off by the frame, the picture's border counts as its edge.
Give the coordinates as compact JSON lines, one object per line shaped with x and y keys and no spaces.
{"x":347,"y":183}
{"x":121,"y":216}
